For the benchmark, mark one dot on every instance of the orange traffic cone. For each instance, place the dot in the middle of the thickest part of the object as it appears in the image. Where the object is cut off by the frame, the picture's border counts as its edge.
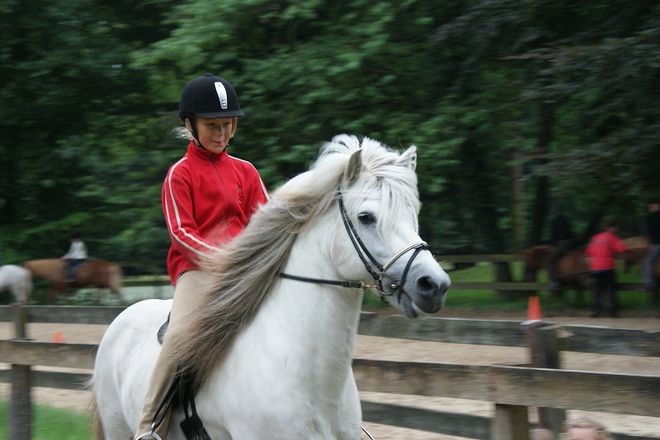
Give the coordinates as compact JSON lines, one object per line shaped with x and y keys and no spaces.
{"x":534,"y":309}
{"x":58,"y":336}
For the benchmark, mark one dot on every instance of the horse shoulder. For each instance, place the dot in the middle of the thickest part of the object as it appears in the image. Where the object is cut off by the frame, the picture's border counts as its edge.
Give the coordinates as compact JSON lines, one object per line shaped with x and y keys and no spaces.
{"x":51,"y":269}
{"x":125,"y":358}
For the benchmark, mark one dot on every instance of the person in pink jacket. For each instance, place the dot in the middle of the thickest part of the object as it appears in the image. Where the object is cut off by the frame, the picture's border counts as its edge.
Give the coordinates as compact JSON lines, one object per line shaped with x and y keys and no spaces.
{"x":208,"y":197}
{"x":602,"y":251}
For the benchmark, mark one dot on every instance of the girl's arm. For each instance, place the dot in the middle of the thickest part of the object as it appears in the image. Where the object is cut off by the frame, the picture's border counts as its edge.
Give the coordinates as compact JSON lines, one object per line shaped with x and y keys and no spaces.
{"x":181,"y":225}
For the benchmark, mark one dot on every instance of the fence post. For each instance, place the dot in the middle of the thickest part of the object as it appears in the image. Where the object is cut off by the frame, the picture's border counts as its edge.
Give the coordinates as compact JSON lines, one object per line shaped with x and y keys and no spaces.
{"x":544,"y":349}
{"x":19,"y":315}
{"x":511,"y":422}
{"x":20,"y":407}
{"x":548,"y":357}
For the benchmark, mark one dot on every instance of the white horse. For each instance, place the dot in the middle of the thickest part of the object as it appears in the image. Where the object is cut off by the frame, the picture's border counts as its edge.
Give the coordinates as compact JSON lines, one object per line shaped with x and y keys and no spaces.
{"x":271,"y":347}
{"x":17,"y":280}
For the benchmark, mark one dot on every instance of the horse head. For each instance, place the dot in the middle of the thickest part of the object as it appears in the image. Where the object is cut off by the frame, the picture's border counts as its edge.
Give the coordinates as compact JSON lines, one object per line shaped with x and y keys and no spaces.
{"x":638,"y":247}
{"x":377,"y":239}
{"x":536,"y":257}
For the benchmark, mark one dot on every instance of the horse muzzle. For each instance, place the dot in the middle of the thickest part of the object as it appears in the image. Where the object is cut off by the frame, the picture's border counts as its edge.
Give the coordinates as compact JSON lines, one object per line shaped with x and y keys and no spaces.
{"x":423,"y":293}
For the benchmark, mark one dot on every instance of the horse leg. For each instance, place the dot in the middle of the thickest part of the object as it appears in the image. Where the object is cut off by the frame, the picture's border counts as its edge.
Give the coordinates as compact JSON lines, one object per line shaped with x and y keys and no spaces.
{"x":57,"y":288}
{"x":117,"y":292}
{"x":99,"y":296}
{"x":122,"y":301}
{"x":114,"y":283}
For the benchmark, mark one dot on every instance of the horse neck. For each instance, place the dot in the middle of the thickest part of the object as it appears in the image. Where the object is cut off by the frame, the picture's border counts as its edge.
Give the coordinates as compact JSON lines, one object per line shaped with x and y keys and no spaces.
{"x":50,"y":269}
{"x":323,"y":317}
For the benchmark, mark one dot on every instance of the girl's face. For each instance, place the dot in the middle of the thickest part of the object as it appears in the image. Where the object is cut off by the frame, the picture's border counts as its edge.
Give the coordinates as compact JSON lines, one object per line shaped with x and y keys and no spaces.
{"x":214,"y":134}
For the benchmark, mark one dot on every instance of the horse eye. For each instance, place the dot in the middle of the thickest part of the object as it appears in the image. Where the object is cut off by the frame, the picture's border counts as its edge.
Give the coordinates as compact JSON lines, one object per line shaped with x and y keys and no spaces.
{"x":366,"y":218}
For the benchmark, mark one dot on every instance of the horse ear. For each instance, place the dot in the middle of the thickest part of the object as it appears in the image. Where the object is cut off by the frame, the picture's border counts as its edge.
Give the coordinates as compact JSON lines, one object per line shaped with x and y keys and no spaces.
{"x":353,"y":168}
{"x":408,"y":158}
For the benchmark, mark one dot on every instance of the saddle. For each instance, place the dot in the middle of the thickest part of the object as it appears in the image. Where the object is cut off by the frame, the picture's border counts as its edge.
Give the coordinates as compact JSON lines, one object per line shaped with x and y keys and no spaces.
{"x":163,"y":328}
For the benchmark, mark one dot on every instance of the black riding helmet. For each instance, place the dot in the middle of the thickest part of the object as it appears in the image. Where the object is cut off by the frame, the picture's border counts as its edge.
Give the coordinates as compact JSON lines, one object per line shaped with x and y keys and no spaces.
{"x":208,"y":96}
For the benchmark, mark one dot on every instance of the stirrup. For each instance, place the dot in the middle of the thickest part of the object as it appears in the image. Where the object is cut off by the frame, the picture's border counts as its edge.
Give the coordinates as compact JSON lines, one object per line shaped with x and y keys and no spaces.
{"x":367,"y":432}
{"x":151,"y":433}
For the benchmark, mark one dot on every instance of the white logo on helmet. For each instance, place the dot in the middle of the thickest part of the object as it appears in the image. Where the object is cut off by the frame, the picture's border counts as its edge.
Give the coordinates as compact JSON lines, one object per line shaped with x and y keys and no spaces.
{"x":222,"y":94}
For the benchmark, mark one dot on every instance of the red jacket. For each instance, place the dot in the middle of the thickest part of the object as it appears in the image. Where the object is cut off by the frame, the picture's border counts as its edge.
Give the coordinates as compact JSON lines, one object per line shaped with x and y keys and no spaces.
{"x":602,"y":251}
{"x":207,"y":199}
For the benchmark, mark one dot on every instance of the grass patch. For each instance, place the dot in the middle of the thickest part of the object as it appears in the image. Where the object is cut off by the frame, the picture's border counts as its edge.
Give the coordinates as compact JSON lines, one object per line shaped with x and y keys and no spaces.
{"x":51,"y":423}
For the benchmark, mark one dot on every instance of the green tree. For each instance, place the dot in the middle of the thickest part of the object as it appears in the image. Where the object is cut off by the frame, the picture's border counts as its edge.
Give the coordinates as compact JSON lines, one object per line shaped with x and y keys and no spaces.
{"x":63,"y":74}
{"x":586,"y":105}
{"x":309,"y":70}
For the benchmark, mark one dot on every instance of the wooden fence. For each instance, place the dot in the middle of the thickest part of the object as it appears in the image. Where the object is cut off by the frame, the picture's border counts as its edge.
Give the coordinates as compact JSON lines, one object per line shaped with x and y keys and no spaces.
{"x":512,"y":389}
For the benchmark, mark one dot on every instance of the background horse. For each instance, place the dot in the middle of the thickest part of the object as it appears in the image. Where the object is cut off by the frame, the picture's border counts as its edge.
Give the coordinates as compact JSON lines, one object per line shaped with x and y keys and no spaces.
{"x":572,"y":270}
{"x":17,"y":281}
{"x":93,"y":273}
{"x":270,"y":346}
{"x":635,"y":257}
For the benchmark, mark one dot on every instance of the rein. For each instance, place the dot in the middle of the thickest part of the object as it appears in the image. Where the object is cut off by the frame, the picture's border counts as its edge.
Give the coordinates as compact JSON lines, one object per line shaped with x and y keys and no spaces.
{"x":379,"y":274}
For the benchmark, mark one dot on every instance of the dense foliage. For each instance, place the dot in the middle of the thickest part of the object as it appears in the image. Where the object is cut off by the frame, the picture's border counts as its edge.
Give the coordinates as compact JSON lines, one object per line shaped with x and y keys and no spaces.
{"x":513,"y":106}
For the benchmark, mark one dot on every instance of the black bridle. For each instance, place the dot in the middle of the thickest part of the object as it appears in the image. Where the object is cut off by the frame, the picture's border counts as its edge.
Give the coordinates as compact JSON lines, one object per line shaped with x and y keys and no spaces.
{"x":378,"y":271}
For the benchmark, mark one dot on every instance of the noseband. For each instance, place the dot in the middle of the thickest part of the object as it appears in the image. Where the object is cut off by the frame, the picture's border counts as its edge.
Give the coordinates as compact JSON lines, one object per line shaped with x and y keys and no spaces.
{"x":379,"y":273}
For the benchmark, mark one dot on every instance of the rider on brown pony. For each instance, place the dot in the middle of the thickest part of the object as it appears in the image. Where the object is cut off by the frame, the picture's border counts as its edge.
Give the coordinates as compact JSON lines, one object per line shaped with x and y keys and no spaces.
{"x":75,"y":257}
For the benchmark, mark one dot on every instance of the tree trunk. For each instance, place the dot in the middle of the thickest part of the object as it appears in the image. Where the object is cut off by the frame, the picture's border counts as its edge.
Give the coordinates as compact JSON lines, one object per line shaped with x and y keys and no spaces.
{"x":542,"y":192}
{"x":517,"y":204}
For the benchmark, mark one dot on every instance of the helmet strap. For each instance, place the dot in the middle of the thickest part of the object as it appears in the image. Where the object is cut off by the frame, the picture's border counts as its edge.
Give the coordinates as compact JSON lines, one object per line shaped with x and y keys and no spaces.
{"x":195,"y":135}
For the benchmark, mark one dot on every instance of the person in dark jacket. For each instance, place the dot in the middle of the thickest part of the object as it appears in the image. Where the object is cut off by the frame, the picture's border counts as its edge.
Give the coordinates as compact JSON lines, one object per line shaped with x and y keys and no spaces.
{"x":561,"y":237}
{"x":653,"y":234}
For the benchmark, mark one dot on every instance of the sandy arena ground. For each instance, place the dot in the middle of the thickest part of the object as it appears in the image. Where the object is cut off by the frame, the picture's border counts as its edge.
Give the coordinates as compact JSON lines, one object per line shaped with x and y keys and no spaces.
{"x":394,"y":349}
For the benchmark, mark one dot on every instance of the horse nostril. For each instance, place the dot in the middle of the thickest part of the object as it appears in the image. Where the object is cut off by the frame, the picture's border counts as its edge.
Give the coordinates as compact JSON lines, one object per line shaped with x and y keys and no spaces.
{"x":427,"y":285}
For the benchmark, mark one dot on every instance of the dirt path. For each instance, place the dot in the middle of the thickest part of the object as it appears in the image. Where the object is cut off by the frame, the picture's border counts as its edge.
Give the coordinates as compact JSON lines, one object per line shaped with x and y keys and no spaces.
{"x":395,"y":349}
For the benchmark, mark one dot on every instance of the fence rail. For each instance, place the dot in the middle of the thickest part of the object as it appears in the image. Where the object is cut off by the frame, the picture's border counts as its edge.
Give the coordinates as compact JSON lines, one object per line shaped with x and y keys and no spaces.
{"x":511,"y":388}
{"x":163,"y":280}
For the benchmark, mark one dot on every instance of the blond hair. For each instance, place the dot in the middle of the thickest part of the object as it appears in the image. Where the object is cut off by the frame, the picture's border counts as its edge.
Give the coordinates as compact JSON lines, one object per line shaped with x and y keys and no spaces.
{"x":541,"y":434}
{"x":585,"y":422}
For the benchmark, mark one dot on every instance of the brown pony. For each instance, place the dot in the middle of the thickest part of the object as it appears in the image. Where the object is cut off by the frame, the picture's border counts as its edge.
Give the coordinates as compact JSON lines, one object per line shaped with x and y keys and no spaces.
{"x":572,"y":270}
{"x":640,"y":245}
{"x":93,"y":273}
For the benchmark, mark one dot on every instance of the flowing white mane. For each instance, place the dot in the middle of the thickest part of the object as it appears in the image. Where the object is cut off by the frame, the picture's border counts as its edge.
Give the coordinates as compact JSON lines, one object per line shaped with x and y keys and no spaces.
{"x":247,"y":269}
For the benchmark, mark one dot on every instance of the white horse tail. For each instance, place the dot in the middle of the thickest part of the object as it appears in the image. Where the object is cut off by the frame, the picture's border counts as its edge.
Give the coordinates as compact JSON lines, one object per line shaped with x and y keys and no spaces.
{"x":97,"y":426}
